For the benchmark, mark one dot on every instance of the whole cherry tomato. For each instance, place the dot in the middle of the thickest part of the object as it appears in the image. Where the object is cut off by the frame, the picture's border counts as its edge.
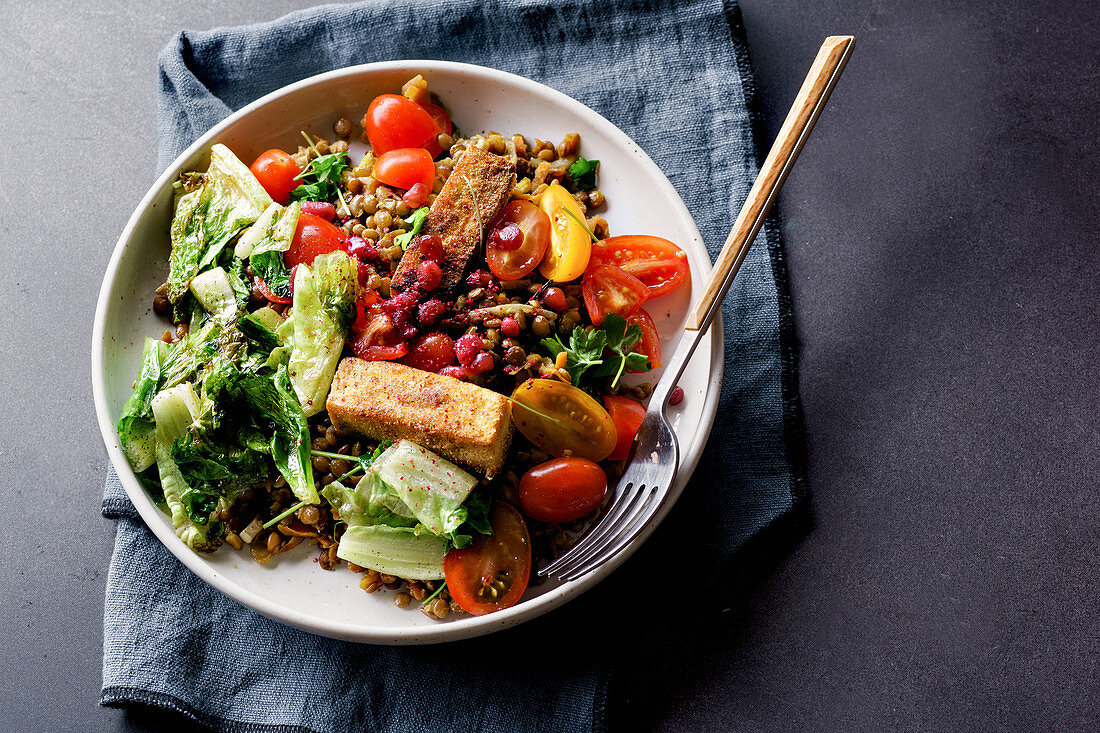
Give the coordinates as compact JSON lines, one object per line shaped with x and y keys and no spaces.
{"x":657,"y":262}
{"x":562,"y":490}
{"x":609,"y":289}
{"x":627,"y":415}
{"x":443,"y":120}
{"x":277,"y":172}
{"x":431,"y":352}
{"x":492,"y":573}
{"x":404,"y":168}
{"x":392,"y":122}
{"x":517,"y":240}
{"x":314,"y":236}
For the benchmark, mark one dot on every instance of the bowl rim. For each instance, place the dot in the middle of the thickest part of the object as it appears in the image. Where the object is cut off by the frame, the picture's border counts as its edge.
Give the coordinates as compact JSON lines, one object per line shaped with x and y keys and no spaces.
{"x":466,"y":627}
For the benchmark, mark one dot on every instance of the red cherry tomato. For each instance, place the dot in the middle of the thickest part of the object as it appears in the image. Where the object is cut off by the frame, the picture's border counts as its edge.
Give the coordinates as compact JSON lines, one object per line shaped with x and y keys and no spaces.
{"x":511,"y":260}
{"x":431,"y":352}
{"x":657,"y":262}
{"x":627,"y":415}
{"x":562,"y":490}
{"x":650,"y":345}
{"x":609,"y":289}
{"x":443,"y":120}
{"x":374,"y":336}
{"x":269,"y":293}
{"x":314,"y":236}
{"x":392,"y":122}
{"x":276,"y":171}
{"x":405,"y":167}
{"x":492,"y":573}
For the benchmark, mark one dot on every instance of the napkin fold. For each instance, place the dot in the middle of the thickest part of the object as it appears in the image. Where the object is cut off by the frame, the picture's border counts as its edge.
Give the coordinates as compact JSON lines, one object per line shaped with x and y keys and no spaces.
{"x":676,"y":77}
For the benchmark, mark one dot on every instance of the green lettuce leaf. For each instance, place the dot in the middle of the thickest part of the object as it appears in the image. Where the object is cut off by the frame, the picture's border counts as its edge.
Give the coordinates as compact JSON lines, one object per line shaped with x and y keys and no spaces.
{"x":185,"y":505}
{"x":136,"y":428}
{"x":275,"y":232}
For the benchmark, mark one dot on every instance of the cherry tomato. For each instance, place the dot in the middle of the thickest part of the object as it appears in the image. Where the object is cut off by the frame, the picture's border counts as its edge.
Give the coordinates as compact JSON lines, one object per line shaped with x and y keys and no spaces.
{"x":627,"y":415}
{"x":405,"y":167}
{"x":492,"y":573}
{"x":562,"y":420}
{"x":657,"y":262}
{"x":431,"y":352}
{"x":511,"y":260}
{"x":608,"y":289}
{"x":443,"y":120}
{"x":650,"y":345}
{"x":570,"y":245}
{"x":374,"y":336}
{"x":562,"y":490}
{"x":392,"y":122}
{"x":276,"y":171}
{"x":269,"y":293}
{"x":314,"y":236}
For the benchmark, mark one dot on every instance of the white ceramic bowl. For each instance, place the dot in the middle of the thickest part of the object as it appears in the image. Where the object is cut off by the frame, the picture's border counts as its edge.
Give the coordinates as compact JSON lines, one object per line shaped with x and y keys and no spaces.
{"x":292,"y":588}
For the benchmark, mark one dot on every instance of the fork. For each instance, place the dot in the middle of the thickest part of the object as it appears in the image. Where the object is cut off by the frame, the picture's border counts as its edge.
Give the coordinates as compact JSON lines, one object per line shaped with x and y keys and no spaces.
{"x":655,"y":456}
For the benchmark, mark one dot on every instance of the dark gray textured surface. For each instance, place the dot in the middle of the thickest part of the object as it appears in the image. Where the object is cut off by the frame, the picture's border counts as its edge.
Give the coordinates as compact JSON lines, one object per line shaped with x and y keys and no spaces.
{"x":941,"y":232}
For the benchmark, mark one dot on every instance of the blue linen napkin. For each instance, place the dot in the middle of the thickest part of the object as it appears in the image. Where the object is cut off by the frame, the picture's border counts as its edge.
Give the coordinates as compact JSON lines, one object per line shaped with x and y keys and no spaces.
{"x":676,"y":77}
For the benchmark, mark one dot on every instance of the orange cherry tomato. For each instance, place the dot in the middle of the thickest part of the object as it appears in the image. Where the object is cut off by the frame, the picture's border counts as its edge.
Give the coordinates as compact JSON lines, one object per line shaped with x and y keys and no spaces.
{"x":314,"y":236}
{"x":627,"y":415}
{"x":609,"y":289}
{"x":393,"y":121}
{"x":657,"y":262}
{"x":513,"y":254}
{"x":562,"y":420}
{"x":443,"y":120}
{"x":276,"y":171}
{"x":650,"y":345}
{"x":562,"y":490}
{"x":405,"y":167}
{"x":492,"y":573}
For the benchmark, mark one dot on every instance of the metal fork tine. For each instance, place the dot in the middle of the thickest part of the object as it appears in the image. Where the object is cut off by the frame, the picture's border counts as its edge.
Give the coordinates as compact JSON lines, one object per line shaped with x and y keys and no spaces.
{"x":619,"y":504}
{"x":616,"y":543}
{"x":640,"y":510}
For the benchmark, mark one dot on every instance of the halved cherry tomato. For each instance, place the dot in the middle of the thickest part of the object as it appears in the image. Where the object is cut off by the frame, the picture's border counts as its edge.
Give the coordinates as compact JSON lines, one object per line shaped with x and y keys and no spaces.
{"x":650,"y":345}
{"x":524,"y":256}
{"x":443,"y":120}
{"x":392,"y":122}
{"x":276,"y":171}
{"x":492,"y":573}
{"x":562,"y":490}
{"x":314,"y":236}
{"x":609,"y":289}
{"x":374,"y":337}
{"x":405,"y":167}
{"x":269,"y":293}
{"x":570,"y":245}
{"x":562,"y":420}
{"x":657,"y":262}
{"x":627,"y":415}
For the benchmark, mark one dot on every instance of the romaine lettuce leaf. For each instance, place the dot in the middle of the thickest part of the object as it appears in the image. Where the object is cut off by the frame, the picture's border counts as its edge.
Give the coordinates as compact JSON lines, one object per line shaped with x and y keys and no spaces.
{"x":265,"y":243}
{"x":186,"y":515}
{"x":136,"y":428}
{"x":396,"y":551}
{"x":431,"y":487}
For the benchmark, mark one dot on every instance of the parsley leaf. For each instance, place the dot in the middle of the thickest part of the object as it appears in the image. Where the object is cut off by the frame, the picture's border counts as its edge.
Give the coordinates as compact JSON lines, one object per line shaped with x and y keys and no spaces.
{"x":588,"y":349}
{"x":417,"y":220}
{"x":583,"y":173}
{"x":321,"y":178}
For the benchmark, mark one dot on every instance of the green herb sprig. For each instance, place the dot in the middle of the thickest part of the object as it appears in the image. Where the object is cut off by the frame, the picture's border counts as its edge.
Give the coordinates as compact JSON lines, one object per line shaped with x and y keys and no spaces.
{"x":601,"y":352}
{"x":321,"y":178}
{"x":416,"y":220}
{"x":583,"y":173}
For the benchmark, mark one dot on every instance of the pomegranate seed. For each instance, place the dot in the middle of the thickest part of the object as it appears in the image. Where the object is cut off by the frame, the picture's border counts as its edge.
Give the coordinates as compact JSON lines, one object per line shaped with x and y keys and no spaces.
{"x":453,"y":371}
{"x":479,"y":278}
{"x":483,"y":362}
{"x":429,"y":275}
{"x":322,"y":209}
{"x":365,"y":271}
{"x":400,"y":303}
{"x":509,"y":327}
{"x":554,"y":299}
{"x":430,"y":247}
{"x":508,"y":238}
{"x":416,"y":196}
{"x":467,"y":348}
{"x":677,"y":395}
{"x":407,"y":331}
{"x":361,"y":248}
{"x":431,"y":311}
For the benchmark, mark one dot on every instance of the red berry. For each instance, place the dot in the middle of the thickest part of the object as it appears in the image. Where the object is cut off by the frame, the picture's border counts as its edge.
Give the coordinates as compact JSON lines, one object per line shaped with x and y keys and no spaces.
{"x":453,"y":371}
{"x":554,"y":299}
{"x":322,"y":209}
{"x":677,"y":395}
{"x":508,"y":238}
{"x":430,"y":247}
{"x":400,"y":303}
{"x":361,"y":248}
{"x":429,"y":275}
{"x":431,"y":352}
{"x":467,"y":348}
{"x":416,"y":196}
{"x":483,"y":362}
{"x":431,"y":311}
{"x":365,"y":271}
{"x":509,"y":327}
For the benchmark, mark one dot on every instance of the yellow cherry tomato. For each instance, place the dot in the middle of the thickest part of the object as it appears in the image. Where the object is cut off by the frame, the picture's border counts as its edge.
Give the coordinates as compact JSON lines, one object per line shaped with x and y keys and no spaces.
{"x":563,"y":420}
{"x":570,"y":245}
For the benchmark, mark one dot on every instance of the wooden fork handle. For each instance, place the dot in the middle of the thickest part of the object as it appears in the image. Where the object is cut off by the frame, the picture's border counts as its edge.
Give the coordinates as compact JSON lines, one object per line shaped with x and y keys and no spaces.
{"x":807,"y":106}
